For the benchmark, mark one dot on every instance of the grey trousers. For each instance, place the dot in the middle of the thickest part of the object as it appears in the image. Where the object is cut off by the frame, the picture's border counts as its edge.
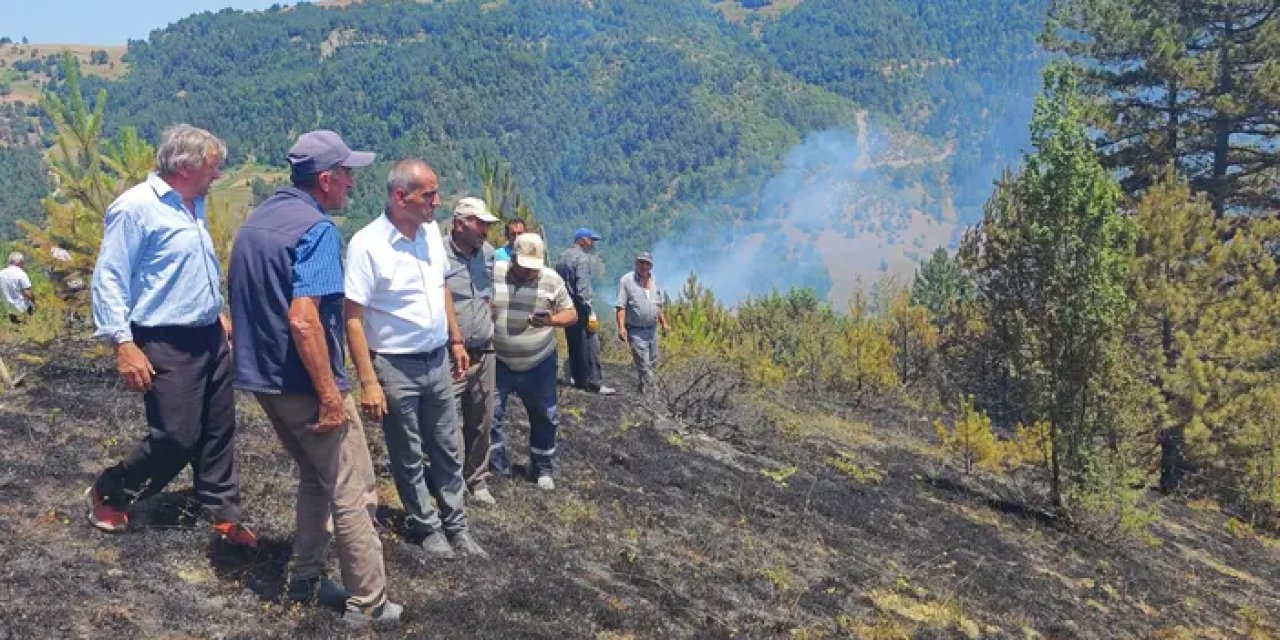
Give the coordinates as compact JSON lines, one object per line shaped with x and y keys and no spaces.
{"x":336,"y":496}
{"x":423,"y":419}
{"x":644,"y":353}
{"x":475,"y":394}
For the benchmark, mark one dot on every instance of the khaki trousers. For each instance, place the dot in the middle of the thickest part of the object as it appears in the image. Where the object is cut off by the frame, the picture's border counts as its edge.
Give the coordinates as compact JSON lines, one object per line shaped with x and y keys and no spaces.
{"x":475,"y":394}
{"x":336,"y":496}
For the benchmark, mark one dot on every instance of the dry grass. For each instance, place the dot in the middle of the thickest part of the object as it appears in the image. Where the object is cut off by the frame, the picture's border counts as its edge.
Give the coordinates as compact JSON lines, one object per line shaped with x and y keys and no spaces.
{"x":28,"y":90}
{"x":734,"y":12}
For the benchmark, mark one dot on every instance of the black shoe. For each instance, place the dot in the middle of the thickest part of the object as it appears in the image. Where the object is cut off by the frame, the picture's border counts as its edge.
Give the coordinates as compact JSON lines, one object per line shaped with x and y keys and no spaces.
{"x":316,"y":591}
{"x":467,"y":547}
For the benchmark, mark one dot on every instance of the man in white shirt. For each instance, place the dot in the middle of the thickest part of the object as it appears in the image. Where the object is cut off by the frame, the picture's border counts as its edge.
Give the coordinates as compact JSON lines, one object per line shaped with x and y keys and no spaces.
{"x":15,"y":286}
{"x":403,"y":333}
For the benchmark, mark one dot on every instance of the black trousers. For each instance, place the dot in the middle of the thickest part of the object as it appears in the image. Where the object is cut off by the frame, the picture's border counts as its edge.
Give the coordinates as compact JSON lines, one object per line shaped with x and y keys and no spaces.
{"x":584,"y":353}
{"x":191,"y":419}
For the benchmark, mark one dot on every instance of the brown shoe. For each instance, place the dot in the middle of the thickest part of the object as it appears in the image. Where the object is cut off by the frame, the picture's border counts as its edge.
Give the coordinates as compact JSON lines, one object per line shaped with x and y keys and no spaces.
{"x":104,"y":516}
{"x":236,"y":533}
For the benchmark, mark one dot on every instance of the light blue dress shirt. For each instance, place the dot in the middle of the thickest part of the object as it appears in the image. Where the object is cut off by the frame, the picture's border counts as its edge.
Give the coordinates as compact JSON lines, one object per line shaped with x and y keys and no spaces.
{"x":156,"y":266}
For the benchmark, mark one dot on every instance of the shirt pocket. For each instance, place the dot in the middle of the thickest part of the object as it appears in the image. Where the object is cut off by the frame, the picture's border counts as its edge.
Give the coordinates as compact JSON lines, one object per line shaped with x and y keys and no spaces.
{"x":402,"y":276}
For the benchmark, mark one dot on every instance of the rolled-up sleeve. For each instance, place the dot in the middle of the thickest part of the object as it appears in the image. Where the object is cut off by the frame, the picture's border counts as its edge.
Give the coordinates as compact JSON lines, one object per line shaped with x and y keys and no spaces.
{"x":560,"y":300}
{"x":122,"y":241}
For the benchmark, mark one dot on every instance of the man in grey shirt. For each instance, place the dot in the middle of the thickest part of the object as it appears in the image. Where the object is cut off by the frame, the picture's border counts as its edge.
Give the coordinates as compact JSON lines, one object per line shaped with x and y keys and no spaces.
{"x":470,"y":281}
{"x":639,"y":314}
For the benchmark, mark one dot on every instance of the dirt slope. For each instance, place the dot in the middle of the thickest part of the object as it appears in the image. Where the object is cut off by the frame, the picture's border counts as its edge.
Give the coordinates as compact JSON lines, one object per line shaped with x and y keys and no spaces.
{"x":841,"y":527}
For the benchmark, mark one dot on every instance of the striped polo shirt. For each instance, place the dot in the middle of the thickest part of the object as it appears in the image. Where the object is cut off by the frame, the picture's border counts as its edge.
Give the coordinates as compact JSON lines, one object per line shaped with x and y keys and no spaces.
{"x":518,"y":345}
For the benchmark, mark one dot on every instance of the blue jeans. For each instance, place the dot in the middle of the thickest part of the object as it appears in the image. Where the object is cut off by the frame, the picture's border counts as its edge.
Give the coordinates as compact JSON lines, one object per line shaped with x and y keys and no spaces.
{"x":537,"y":390}
{"x":421,"y":418}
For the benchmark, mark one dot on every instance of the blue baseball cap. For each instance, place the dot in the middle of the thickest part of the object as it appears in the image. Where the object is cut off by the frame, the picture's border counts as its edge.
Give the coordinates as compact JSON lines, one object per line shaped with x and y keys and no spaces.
{"x":584,"y":232}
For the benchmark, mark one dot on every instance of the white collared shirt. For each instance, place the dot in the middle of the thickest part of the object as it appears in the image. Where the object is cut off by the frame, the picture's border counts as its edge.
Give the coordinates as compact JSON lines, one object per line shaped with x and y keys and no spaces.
{"x":13,"y":281}
{"x":400,"y":283}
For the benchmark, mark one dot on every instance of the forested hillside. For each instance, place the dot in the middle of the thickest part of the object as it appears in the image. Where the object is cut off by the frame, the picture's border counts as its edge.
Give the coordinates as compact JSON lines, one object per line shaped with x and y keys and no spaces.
{"x":622,"y":116}
{"x":22,"y":172}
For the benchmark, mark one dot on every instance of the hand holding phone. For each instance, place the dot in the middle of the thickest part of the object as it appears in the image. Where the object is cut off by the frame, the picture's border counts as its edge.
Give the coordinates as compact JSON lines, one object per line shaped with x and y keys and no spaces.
{"x":540,"y":318}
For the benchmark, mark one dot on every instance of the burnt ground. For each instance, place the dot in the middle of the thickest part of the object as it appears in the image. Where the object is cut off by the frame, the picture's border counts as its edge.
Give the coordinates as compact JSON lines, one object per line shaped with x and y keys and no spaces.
{"x":833,"y":523}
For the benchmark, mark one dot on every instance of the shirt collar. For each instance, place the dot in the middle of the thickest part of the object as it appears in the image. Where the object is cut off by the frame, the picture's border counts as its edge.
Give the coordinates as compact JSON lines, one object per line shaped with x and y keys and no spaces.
{"x":166,"y":193}
{"x":393,"y":234}
{"x":462,"y":255}
{"x":158,"y":185}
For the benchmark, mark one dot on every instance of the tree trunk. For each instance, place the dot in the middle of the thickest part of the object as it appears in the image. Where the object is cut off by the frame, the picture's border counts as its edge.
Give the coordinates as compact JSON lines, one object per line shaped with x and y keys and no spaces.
{"x":1222,"y":127}
{"x":1173,"y":462}
{"x":1171,"y":127}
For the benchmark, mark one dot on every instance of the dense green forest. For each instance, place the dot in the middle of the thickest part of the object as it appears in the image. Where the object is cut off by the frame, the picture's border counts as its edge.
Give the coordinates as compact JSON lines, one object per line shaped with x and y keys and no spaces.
{"x":23,"y":174}
{"x":599,"y":111}
{"x":622,"y":116}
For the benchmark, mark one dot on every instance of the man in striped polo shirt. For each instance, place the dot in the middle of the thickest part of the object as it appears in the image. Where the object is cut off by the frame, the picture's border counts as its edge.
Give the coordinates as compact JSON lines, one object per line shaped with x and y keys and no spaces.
{"x":529,"y":302}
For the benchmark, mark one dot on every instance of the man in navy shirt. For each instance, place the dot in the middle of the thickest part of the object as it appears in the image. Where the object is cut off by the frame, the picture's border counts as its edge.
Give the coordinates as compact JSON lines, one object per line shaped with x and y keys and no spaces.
{"x":286,"y":296}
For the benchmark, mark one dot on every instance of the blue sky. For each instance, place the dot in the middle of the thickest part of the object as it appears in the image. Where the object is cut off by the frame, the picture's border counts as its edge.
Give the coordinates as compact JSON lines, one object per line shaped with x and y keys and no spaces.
{"x":104,"y":21}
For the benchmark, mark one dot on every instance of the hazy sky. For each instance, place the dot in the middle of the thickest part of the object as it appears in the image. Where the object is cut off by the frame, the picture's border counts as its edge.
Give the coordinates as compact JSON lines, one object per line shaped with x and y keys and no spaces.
{"x":104,"y":21}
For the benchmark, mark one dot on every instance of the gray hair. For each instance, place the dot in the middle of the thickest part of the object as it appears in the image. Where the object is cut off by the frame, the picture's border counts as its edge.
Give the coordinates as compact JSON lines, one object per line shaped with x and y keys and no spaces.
{"x":16,"y":257}
{"x":185,"y":146}
{"x":403,"y":175}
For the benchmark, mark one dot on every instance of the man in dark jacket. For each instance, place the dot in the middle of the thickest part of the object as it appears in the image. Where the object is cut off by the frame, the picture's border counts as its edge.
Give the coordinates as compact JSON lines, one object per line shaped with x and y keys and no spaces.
{"x":576,"y":266}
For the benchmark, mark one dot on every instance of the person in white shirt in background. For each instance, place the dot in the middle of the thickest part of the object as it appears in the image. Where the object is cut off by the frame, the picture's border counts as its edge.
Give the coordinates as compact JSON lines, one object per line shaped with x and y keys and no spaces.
{"x":15,"y":285}
{"x":639,"y":315}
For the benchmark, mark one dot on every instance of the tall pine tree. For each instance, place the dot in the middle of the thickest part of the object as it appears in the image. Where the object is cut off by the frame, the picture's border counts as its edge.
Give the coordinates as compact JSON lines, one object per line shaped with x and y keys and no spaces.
{"x":1049,"y":261}
{"x":1195,"y":83}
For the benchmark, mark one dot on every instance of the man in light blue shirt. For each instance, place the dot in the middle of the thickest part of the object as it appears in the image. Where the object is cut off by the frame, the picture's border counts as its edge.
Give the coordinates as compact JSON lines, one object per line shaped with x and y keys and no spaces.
{"x":156,"y":299}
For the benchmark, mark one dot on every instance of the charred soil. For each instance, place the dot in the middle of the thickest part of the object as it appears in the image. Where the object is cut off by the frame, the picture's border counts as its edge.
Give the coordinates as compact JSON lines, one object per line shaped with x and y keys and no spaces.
{"x":847,"y":525}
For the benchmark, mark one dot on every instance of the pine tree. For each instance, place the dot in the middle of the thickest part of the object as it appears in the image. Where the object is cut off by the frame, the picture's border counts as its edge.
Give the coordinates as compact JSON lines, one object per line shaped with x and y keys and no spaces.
{"x":970,"y":438}
{"x":1174,"y":276}
{"x":914,"y":336}
{"x":1187,"y":82}
{"x":86,"y":180}
{"x":1049,"y":261}
{"x":499,"y":190}
{"x":1206,"y":330}
{"x":937,"y":283}
{"x":864,"y":354}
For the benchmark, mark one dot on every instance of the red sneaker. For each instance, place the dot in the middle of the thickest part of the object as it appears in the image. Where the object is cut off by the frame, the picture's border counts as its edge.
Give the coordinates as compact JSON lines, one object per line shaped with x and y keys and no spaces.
{"x":104,"y":516}
{"x":236,"y":533}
